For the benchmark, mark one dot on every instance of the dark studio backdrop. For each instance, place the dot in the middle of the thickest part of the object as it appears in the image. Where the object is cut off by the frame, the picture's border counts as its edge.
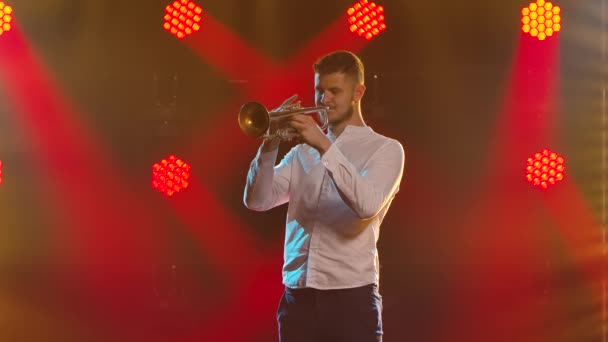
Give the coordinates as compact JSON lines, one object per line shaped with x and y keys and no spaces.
{"x":93,"y":93}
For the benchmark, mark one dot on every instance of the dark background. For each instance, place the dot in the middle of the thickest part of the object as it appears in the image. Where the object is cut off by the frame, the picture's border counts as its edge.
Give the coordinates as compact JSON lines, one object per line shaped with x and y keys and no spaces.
{"x":469,"y":250}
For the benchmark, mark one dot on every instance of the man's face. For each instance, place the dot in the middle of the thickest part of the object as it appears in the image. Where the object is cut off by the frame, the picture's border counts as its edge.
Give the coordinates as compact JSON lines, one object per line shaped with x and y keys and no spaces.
{"x":336,"y":91}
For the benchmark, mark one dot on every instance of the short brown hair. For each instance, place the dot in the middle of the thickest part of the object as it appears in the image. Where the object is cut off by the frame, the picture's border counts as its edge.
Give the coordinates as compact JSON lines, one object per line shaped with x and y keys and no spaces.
{"x":341,"y":61}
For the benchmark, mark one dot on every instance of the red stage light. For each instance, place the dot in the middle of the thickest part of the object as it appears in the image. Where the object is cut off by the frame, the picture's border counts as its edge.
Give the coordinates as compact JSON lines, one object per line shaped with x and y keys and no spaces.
{"x":170,"y":175}
{"x":182,"y":18}
{"x":0,"y":171}
{"x":6,"y":12}
{"x":541,"y":19}
{"x":366,"y":19}
{"x":545,"y":169}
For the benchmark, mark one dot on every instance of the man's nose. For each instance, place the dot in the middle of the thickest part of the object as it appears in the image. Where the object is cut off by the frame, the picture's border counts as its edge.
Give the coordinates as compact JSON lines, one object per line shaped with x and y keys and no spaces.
{"x":324,"y":98}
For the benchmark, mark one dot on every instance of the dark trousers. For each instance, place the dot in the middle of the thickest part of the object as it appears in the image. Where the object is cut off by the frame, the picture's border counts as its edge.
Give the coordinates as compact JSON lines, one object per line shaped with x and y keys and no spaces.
{"x":344,"y":315}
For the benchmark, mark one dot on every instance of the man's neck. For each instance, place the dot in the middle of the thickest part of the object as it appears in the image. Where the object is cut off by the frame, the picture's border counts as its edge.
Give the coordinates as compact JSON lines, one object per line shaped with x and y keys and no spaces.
{"x":356,"y":120}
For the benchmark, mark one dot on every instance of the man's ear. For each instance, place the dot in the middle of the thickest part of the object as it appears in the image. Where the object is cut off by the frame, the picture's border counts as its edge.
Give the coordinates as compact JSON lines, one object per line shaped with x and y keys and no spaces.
{"x":359,"y":91}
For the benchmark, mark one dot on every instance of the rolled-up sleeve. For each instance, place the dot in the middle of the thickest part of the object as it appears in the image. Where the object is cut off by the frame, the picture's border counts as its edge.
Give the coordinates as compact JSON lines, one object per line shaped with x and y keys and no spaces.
{"x":368,"y":190}
{"x":267,"y":185}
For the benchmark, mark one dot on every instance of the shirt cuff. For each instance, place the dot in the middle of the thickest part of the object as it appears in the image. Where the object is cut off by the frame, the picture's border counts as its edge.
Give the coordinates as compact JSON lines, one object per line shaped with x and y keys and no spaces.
{"x":265,"y":158}
{"x":330,"y":157}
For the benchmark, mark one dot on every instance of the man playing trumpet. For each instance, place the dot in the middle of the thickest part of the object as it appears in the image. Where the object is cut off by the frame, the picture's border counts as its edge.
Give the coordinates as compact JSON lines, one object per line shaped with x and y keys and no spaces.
{"x":339,"y":187}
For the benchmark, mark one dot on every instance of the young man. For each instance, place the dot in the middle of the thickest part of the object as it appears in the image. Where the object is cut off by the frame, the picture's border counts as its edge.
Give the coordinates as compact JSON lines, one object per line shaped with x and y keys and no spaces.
{"x":339,"y":187}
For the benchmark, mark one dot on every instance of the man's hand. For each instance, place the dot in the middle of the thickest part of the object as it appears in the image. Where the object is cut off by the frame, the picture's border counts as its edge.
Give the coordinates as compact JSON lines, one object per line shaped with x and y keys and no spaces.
{"x":310,"y":133}
{"x":281,"y":123}
{"x":288,"y":104}
{"x":269,"y":145}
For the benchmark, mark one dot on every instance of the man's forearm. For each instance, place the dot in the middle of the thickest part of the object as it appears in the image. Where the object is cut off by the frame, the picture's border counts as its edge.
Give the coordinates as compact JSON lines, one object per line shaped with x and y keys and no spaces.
{"x":270,"y":145}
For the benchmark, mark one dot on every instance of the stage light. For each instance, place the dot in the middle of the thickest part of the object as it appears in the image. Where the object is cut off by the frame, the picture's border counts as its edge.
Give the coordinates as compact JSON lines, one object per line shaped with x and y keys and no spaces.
{"x":182,"y":18}
{"x":0,"y":172}
{"x":545,"y":169}
{"x":541,"y":19}
{"x":6,"y":17}
{"x":170,"y":175}
{"x":366,"y":19}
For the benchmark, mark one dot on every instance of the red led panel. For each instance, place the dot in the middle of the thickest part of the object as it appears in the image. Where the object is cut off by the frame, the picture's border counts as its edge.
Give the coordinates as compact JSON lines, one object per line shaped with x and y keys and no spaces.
{"x":6,"y":17}
{"x":366,"y":19}
{"x":182,"y":18}
{"x":170,"y":175}
{"x":541,"y":19}
{"x":545,"y":169}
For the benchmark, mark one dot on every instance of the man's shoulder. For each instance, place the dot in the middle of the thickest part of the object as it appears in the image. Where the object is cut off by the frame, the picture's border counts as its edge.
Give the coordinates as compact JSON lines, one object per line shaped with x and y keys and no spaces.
{"x":384,"y":140}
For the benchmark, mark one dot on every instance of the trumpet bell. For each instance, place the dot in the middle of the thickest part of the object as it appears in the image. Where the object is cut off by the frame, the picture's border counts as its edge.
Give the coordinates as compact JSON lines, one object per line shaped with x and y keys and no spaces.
{"x":254,"y":119}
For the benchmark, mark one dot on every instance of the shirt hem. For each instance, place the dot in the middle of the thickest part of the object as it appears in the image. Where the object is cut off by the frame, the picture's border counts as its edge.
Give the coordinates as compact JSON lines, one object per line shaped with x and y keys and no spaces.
{"x":330,"y":287}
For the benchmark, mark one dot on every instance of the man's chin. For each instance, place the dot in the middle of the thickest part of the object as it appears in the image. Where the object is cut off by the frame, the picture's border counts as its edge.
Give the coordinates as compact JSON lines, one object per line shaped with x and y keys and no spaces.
{"x":335,"y":118}
{"x":335,"y":122}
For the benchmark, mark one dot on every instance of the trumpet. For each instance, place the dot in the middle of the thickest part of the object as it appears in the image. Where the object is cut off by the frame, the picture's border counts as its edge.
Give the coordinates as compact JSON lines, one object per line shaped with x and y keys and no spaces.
{"x":255,"y":120}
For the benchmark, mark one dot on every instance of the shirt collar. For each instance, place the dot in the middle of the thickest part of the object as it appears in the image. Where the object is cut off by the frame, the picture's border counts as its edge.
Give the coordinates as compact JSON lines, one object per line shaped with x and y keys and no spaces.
{"x":350,"y":130}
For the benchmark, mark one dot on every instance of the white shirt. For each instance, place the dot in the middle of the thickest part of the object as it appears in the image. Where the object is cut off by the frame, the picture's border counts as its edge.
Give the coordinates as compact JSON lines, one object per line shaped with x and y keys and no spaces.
{"x":336,"y":205}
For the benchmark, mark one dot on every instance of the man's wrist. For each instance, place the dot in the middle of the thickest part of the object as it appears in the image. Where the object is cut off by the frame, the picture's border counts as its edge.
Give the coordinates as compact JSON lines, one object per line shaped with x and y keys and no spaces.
{"x":324,"y":146}
{"x":271,"y":144}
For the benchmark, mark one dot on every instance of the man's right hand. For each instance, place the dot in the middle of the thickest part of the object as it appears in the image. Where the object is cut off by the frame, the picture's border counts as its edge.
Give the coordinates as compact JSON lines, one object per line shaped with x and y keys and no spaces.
{"x":269,"y":145}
